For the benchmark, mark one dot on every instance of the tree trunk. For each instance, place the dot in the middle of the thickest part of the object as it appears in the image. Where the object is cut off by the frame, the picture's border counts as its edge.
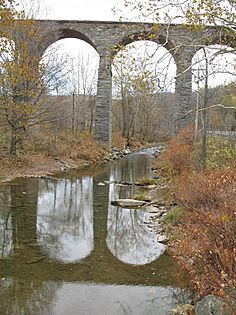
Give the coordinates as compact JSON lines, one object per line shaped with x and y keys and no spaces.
{"x":17,"y":139}
{"x":204,"y":118}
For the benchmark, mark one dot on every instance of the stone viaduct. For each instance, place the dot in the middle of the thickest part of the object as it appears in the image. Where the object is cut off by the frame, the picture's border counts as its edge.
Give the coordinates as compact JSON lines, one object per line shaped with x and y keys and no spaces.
{"x":107,"y":37}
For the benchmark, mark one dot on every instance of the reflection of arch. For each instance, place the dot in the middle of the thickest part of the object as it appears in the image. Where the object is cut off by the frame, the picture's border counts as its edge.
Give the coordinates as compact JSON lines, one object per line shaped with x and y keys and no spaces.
{"x":65,"y":219}
{"x":128,"y":238}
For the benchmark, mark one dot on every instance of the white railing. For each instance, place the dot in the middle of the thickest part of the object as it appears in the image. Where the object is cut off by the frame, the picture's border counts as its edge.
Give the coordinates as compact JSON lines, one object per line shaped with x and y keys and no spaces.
{"x":222,"y":133}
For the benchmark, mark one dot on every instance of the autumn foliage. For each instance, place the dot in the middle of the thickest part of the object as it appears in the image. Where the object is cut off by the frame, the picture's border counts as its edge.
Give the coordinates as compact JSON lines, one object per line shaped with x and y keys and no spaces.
{"x":177,"y":157}
{"x":207,"y":246}
{"x":205,"y":243}
{"x":45,"y":153}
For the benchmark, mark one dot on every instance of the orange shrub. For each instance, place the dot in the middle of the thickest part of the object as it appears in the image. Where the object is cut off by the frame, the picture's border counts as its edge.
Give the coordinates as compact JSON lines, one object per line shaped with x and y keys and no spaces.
{"x":207,"y":245}
{"x":206,"y":190}
{"x":177,"y":158}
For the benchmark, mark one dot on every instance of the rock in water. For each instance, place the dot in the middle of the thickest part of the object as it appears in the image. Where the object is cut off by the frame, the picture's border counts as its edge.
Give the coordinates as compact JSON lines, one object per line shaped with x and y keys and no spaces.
{"x":101,"y":184}
{"x":162,"y":239}
{"x":128,"y":203}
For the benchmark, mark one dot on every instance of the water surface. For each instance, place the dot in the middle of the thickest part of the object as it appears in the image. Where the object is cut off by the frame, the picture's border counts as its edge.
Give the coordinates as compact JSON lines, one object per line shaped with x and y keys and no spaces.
{"x":65,"y":250}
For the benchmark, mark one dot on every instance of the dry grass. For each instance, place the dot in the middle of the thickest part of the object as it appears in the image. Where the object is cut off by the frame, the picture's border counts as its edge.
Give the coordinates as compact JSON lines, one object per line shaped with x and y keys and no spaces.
{"x":118,"y":141}
{"x":207,"y":247}
{"x":205,"y":243}
{"x":45,"y":152}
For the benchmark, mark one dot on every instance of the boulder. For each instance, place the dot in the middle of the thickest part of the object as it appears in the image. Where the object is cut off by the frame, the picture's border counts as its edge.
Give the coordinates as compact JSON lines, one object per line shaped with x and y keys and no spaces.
{"x":162,"y":239}
{"x":212,"y":305}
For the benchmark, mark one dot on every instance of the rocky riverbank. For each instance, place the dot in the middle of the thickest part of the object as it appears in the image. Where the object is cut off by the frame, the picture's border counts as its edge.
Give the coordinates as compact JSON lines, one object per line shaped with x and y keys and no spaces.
{"x":41,"y":165}
{"x":157,"y":224}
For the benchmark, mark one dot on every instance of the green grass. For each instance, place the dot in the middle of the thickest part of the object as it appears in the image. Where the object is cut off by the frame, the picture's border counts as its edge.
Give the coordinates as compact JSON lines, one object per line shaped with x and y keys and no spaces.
{"x":220,"y":151}
{"x":174,"y":216}
{"x":2,"y":176}
{"x":145,"y":181}
{"x":142,"y":197}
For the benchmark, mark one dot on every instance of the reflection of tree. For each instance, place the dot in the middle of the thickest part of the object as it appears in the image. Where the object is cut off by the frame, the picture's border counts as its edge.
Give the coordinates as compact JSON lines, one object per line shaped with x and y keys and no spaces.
{"x":5,"y":236}
{"x":17,"y":216}
{"x":65,"y":218}
{"x":5,"y":233}
{"x":21,"y":295}
{"x":5,"y":222}
{"x":128,"y":238}
{"x":26,"y":297}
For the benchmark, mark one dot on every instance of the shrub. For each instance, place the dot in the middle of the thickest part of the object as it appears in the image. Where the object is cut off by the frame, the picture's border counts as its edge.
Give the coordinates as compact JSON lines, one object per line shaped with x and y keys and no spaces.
{"x":118,"y":141}
{"x":204,"y":242}
{"x":178,"y":155}
{"x":205,"y":190}
{"x":220,"y":151}
{"x":207,"y":245}
{"x":67,"y":145}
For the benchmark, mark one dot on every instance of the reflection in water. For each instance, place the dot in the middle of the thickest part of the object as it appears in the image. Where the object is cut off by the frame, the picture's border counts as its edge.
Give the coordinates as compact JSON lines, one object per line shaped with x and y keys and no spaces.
{"x":115,"y":300}
{"x":36,"y":301}
{"x":5,"y":223}
{"x":5,"y":233}
{"x":47,"y":227}
{"x":18,"y":217}
{"x":65,"y":218}
{"x":128,"y":238}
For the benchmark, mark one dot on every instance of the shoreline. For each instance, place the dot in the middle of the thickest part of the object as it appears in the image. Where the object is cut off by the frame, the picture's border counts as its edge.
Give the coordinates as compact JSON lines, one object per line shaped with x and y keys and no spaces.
{"x":41,"y":165}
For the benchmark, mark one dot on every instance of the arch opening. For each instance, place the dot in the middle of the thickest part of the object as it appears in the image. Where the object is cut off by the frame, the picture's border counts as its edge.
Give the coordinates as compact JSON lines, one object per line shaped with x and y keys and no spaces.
{"x":214,"y":88}
{"x":143,"y":91}
{"x":71,"y":80}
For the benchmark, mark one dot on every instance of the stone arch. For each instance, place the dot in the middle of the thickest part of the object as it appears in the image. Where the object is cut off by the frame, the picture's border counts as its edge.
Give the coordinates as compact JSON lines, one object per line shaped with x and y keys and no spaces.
{"x":144,"y":36}
{"x":151,"y":43}
{"x":219,"y":60}
{"x":64,"y":33}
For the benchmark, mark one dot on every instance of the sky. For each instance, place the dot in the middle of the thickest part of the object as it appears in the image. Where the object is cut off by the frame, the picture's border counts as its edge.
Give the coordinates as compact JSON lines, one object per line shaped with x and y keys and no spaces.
{"x":103,"y":10}
{"x":80,"y":9}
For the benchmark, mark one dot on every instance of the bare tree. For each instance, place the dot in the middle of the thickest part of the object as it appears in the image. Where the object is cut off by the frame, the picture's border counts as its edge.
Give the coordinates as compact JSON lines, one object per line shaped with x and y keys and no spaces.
{"x":209,"y":66}
{"x":84,"y":83}
{"x":139,"y":78}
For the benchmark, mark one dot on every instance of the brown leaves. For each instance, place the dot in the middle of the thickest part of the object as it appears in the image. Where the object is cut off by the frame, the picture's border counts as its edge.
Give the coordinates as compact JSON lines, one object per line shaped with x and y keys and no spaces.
{"x":205,"y":244}
{"x":207,"y":249}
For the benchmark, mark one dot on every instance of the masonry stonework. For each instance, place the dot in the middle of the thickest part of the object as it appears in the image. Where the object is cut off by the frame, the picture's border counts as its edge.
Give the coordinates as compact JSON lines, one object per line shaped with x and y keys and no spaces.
{"x":107,"y":37}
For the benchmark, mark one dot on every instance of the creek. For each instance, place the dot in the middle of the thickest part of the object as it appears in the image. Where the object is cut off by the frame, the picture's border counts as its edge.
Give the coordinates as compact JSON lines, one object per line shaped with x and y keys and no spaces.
{"x":65,"y":250}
